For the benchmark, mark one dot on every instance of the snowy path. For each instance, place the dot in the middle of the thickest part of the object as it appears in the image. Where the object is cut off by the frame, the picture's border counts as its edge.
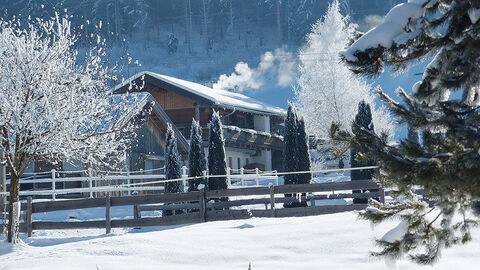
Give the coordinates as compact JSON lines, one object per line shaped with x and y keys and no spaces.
{"x":336,"y":241}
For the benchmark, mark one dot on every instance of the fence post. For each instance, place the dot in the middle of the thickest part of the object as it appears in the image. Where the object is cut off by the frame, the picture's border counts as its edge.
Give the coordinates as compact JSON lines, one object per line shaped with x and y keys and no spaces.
{"x":203,"y":205}
{"x":242,"y":179}
{"x":184,"y":177}
{"x":29,"y":217}
{"x":256,"y":177}
{"x":382,"y":195}
{"x":137,"y":214}
{"x":90,"y":182}
{"x":53,"y":184}
{"x":129,"y":181}
{"x":312,"y":199}
{"x":229,"y":179}
{"x":108,"y":217}
{"x":272,"y":199}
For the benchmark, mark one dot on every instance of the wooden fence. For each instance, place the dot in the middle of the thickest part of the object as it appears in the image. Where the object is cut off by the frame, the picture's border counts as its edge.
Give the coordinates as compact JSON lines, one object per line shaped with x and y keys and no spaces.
{"x":202,"y":206}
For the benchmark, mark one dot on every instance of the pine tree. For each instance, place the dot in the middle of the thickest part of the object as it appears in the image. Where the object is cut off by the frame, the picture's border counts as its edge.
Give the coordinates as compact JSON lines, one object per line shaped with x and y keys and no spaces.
{"x":412,"y":135}
{"x":196,"y":157}
{"x":363,"y":121}
{"x":172,"y":164}
{"x":446,"y":163}
{"x":217,"y":163}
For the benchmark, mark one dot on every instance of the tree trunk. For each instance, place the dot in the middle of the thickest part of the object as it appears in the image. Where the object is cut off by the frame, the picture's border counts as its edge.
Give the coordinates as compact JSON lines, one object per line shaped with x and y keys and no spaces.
{"x":14,"y":209}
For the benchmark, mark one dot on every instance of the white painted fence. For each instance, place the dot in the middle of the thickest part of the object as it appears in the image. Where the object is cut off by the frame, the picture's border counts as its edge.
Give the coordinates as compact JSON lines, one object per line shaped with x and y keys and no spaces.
{"x":127,"y":182}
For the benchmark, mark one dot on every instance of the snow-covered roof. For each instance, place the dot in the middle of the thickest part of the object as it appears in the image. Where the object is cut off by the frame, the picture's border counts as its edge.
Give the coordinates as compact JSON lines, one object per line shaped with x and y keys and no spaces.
{"x":217,"y":97}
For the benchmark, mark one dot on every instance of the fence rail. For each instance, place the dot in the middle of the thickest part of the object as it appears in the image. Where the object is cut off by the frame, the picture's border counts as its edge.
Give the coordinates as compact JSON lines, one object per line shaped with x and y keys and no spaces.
{"x":198,"y":206}
{"x":128,"y":182}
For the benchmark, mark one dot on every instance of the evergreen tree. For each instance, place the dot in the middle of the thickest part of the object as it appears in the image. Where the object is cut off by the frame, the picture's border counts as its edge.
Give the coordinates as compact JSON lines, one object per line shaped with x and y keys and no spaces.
{"x":412,"y":135}
{"x":172,"y":164}
{"x":446,"y":163}
{"x":290,"y":151}
{"x":303,"y":154}
{"x":196,"y":157}
{"x":303,"y":159}
{"x":362,"y":122}
{"x":217,"y":163}
{"x":290,"y":145}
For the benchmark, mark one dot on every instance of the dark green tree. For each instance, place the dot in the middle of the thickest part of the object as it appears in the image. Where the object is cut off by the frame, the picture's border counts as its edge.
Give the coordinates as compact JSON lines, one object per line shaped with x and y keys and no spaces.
{"x":446,"y":164}
{"x":290,"y":145}
{"x":172,"y":165}
{"x":217,"y":164}
{"x":412,"y":135}
{"x":362,"y":122}
{"x":196,"y":157}
{"x":303,"y":159}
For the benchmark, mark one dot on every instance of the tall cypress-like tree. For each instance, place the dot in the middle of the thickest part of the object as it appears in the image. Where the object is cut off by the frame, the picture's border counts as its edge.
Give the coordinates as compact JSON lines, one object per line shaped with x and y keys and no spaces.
{"x":446,"y":163}
{"x":290,"y":145}
{"x":172,"y":164}
{"x":290,"y":151}
{"x":303,"y":158}
{"x":303,"y":154}
{"x":196,"y":157}
{"x":363,"y":122}
{"x":217,"y":163}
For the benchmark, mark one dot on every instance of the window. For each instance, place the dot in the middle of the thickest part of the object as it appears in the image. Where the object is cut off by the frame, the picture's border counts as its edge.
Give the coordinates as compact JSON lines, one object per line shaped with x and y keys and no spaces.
{"x":239,"y":163}
{"x":246,"y":161}
{"x":230,"y":161}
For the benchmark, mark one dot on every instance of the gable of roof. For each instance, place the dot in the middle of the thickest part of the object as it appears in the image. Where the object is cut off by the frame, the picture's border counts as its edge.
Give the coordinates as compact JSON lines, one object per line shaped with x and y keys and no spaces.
{"x":202,"y":93}
{"x":134,"y":103}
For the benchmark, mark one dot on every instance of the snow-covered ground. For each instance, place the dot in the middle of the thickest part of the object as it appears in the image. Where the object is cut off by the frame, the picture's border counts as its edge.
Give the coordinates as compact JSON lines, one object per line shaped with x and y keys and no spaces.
{"x":337,"y":241}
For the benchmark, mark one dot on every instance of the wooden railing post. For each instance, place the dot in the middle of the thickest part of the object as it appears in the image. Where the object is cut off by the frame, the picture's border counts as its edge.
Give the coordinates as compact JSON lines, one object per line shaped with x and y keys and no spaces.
{"x":108,"y":217}
{"x":272,"y":199}
{"x":90,"y":182}
{"x":229,"y":178}
{"x":184,"y":176}
{"x":137,"y":214}
{"x":53,"y":184}
{"x":242,"y":179}
{"x":29,"y":218}
{"x":257,"y":180}
{"x":382,"y":195}
{"x":203,"y":203}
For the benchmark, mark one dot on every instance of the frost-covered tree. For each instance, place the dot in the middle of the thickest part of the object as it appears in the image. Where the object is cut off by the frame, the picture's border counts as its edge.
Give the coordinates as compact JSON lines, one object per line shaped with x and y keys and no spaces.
{"x":446,"y":163}
{"x":52,"y":107}
{"x":172,"y":164}
{"x":217,"y":163}
{"x":327,"y":90}
{"x":196,"y":157}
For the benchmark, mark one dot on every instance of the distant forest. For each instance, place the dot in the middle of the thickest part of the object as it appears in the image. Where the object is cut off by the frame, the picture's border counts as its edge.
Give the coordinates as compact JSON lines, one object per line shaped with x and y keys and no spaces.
{"x":212,"y":19}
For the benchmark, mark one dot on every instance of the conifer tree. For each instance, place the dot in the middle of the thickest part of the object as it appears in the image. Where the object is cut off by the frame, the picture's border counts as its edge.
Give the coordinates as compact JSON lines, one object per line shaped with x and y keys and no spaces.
{"x":303,"y":154}
{"x":217,"y":163}
{"x":172,"y":164}
{"x":303,"y":158}
{"x":413,"y":135}
{"x":196,"y":157}
{"x":290,"y":145}
{"x":446,"y":163}
{"x":290,"y":151}
{"x":363,"y":121}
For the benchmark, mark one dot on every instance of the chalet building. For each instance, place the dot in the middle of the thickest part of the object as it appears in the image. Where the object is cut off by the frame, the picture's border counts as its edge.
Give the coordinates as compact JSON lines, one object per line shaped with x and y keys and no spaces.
{"x":252,"y":129}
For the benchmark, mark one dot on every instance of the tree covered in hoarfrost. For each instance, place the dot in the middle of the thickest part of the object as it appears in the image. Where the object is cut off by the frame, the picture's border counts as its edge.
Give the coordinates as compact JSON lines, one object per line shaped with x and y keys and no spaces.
{"x":446,"y":163}
{"x":51,"y":107}
{"x":327,"y":90}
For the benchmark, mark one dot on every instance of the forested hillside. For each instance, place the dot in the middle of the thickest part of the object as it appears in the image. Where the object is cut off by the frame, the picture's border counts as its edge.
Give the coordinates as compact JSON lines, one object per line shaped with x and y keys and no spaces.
{"x":193,"y":39}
